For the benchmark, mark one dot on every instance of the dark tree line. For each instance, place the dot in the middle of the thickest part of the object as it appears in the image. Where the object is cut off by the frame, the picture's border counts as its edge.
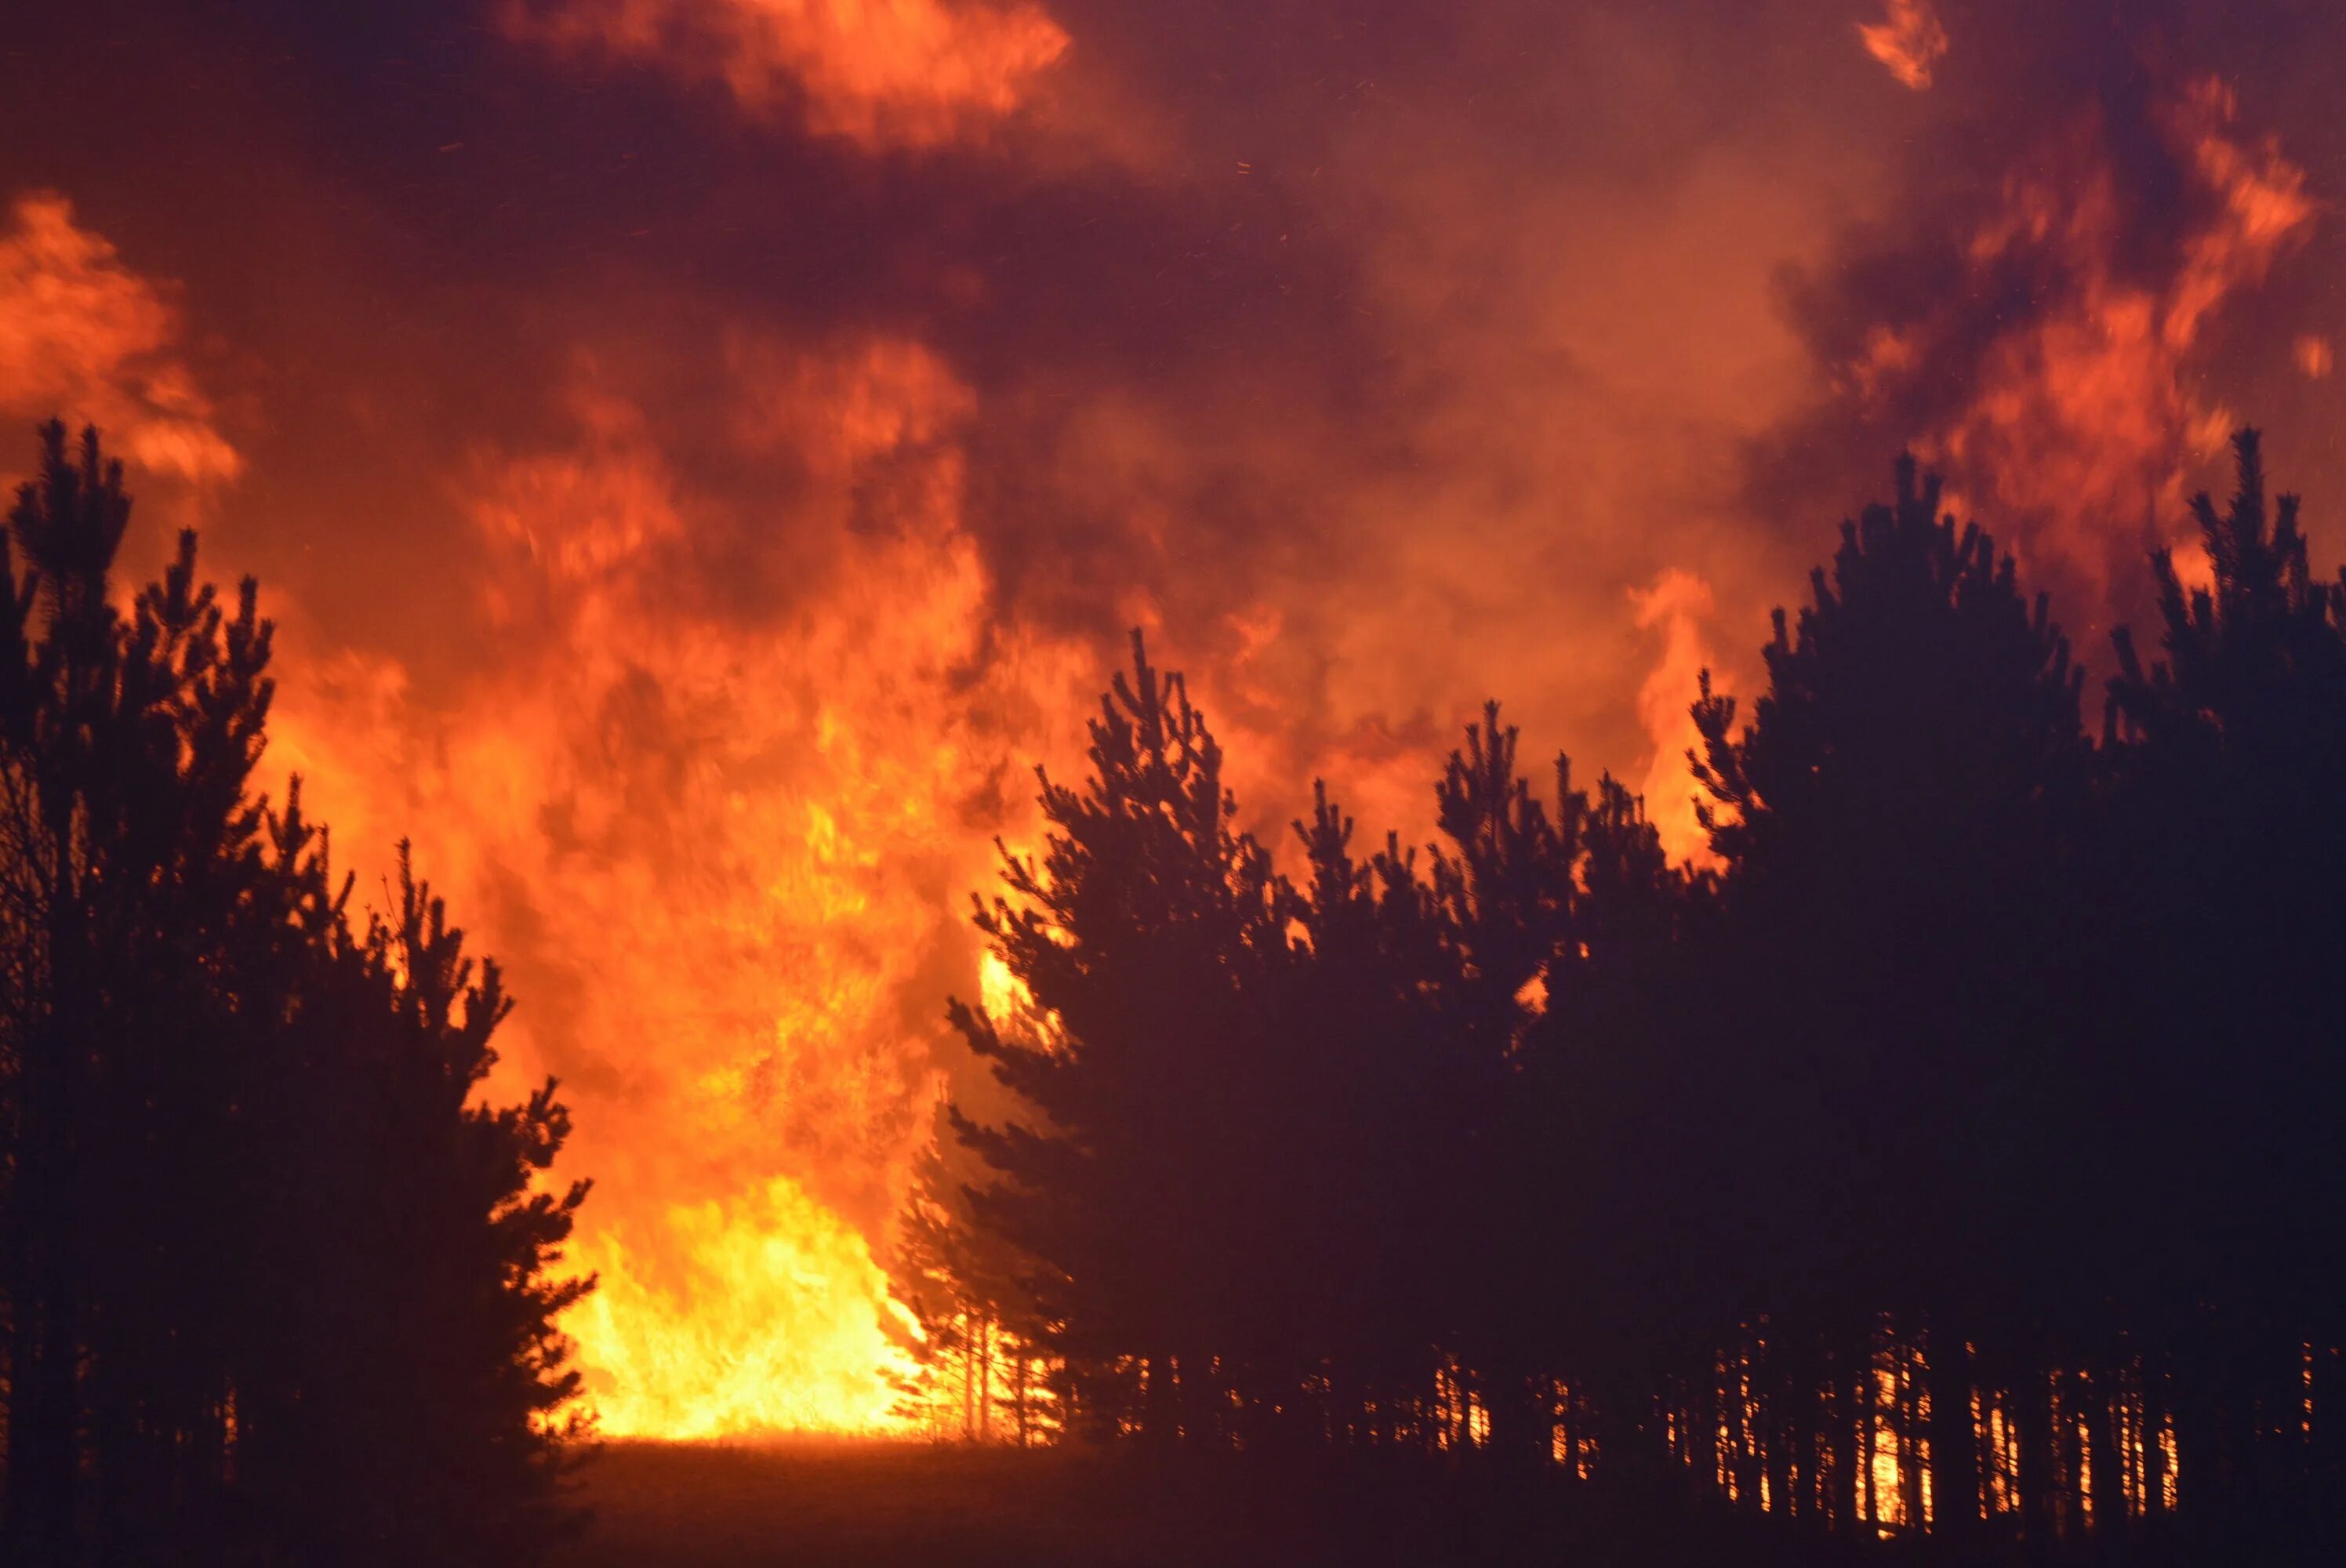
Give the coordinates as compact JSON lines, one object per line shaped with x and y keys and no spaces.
{"x":1962,"y":1156}
{"x":274,"y":1284}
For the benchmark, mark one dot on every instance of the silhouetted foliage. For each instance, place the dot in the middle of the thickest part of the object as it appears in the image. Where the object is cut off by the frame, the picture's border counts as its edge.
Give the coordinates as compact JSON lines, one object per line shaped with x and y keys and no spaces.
{"x":1958,"y":1156}
{"x":1148,"y":934}
{"x":275,"y":1284}
{"x":2221,"y":870}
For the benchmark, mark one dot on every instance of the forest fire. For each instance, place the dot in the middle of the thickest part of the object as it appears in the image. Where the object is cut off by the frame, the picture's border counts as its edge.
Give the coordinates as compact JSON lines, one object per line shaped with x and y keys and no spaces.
{"x":702,"y":457}
{"x":759,"y":831}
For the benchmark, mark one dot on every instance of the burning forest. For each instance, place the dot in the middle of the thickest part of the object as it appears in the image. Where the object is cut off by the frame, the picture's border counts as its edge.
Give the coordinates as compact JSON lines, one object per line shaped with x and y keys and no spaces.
{"x":747,"y":748}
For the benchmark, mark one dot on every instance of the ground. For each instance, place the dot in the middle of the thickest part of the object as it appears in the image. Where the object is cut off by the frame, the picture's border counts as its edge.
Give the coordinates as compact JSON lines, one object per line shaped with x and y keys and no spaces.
{"x":814,"y":1503}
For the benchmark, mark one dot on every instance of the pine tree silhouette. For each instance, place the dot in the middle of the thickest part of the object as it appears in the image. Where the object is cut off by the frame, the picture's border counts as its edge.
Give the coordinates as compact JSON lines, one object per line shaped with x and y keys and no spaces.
{"x":2223,"y":865}
{"x":1954,"y":1161}
{"x":276,"y":1289}
{"x":1894,"y":823}
{"x":1144,"y":933}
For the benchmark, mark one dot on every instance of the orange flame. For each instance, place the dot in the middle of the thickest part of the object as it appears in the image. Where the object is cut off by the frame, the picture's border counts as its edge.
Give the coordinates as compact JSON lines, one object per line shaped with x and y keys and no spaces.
{"x":1678,"y":602}
{"x":1910,"y":41}
{"x":722,"y":856}
{"x":2081,"y":418}
{"x":83,"y":336}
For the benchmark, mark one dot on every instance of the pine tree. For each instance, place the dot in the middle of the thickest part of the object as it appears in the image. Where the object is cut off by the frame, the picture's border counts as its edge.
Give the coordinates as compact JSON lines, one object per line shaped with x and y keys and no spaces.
{"x":1899,"y":827}
{"x":2223,"y":864}
{"x":130,"y":743}
{"x":407,"y":1396}
{"x":971,"y":1297}
{"x":1148,"y":932}
{"x":1503,"y":890}
{"x":1373,"y":1106}
{"x":276,"y":1286}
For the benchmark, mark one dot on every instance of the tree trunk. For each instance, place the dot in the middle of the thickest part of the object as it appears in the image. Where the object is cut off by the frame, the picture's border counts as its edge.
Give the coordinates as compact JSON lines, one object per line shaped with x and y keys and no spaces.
{"x":968,"y":1385}
{"x":984,"y":1380}
{"x":2105,"y":1417}
{"x":1018,"y":1394}
{"x":2032,"y":1413}
{"x":44,"y":1458}
{"x":43,"y":1452}
{"x":1856,"y":1472}
{"x":1912,"y":1438}
{"x":1954,"y":1438}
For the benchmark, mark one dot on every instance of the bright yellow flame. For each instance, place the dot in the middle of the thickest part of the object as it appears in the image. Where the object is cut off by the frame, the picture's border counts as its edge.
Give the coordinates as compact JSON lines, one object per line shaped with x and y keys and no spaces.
{"x":763,"y":1313}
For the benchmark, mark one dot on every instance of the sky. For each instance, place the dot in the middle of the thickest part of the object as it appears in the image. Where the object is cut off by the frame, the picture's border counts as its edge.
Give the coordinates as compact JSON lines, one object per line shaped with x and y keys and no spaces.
{"x":701,"y":455}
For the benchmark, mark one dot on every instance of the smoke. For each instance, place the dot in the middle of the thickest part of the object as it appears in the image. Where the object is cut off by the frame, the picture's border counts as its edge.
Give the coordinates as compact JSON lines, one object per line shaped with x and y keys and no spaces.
{"x":703,"y":456}
{"x":2048,"y":334}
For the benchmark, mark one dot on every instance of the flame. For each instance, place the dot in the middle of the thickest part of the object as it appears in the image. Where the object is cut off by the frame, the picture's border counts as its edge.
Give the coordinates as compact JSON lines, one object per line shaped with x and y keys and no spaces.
{"x":1002,"y":994}
{"x":1909,"y":41}
{"x":83,"y":337}
{"x":722,"y":856}
{"x":2081,"y":418}
{"x":778,"y":1320}
{"x":1678,"y":602}
{"x":885,"y":72}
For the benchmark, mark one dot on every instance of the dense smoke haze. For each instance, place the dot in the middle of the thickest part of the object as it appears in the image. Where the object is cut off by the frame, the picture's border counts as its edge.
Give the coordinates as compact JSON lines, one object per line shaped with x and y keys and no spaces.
{"x":700,"y":453}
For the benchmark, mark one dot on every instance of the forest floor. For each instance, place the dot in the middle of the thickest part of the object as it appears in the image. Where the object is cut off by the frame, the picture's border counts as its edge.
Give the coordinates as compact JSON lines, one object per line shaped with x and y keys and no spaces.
{"x":837,"y":1504}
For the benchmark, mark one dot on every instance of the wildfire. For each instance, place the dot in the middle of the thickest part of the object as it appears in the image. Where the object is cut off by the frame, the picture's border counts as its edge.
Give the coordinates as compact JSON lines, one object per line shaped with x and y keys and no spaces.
{"x":741,"y":693}
{"x":722,"y":859}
